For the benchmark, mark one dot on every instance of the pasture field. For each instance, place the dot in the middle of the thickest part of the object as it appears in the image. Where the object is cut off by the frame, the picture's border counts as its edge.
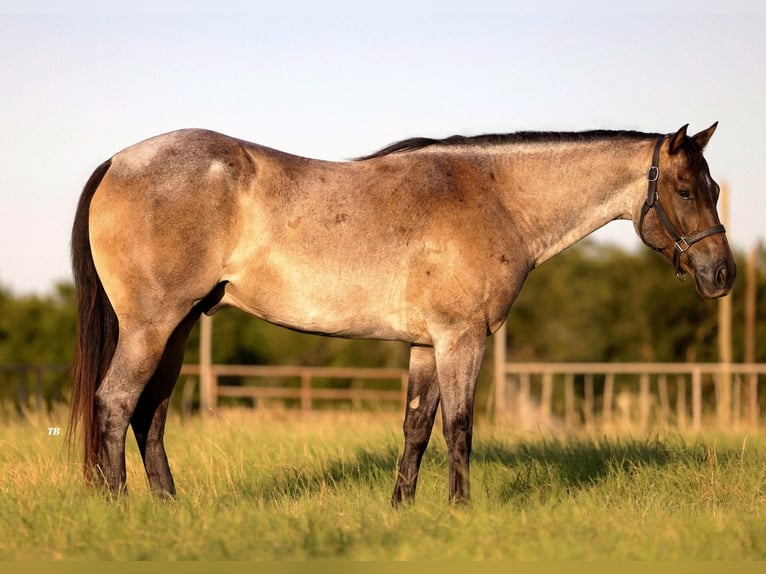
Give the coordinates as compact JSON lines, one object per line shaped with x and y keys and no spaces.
{"x":292,"y":486}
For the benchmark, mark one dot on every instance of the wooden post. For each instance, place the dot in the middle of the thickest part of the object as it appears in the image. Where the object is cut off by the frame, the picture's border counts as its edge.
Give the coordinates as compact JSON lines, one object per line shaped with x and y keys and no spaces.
{"x":501,"y":402}
{"x":305,"y":390}
{"x":589,"y":400}
{"x":523,"y":399}
{"x":681,"y":401}
{"x":570,"y":415}
{"x":662,"y":391}
{"x":723,"y":391}
{"x":207,"y":393}
{"x":608,"y":398}
{"x":187,"y":395}
{"x":751,"y":385}
{"x":546,"y":397}
{"x":696,"y":399}
{"x":644,"y":400}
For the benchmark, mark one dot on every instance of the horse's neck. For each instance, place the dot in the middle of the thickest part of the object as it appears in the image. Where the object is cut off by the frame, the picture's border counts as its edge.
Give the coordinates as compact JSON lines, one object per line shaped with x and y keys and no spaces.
{"x":561,"y":192}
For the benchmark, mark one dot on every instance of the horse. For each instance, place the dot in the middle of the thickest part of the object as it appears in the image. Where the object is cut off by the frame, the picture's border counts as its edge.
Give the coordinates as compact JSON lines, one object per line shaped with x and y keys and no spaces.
{"x":427,"y":241}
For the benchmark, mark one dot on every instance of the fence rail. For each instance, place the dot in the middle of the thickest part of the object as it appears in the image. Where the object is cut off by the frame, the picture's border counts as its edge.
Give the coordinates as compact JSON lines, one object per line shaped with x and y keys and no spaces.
{"x":211,"y":387}
{"x":636,"y":392}
{"x":570,"y":395}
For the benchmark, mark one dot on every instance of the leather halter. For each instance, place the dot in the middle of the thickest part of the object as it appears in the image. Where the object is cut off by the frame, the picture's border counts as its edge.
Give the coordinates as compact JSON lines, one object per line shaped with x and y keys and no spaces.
{"x":682,"y":243}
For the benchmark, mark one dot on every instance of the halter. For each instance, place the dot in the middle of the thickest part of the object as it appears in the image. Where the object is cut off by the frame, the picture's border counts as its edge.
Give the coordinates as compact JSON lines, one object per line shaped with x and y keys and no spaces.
{"x":682,"y":243}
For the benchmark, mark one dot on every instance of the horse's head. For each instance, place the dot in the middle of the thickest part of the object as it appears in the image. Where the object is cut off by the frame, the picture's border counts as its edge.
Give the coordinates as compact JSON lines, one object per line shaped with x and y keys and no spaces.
{"x":679,"y":217}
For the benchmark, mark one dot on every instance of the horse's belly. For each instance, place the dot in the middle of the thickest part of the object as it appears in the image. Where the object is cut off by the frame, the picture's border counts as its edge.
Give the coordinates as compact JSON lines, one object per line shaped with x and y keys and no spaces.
{"x":339,"y":304}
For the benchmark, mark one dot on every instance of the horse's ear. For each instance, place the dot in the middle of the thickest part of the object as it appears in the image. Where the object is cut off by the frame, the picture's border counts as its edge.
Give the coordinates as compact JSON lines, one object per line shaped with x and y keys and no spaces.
{"x":704,"y":136}
{"x":677,"y":140}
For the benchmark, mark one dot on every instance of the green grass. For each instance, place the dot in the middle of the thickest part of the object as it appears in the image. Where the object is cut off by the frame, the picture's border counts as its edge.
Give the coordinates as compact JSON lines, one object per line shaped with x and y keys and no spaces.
{"x":291,"y":486}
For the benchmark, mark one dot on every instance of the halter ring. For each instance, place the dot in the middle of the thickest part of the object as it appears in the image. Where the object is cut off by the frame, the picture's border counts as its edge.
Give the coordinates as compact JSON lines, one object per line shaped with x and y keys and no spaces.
{"x":682,"y":245}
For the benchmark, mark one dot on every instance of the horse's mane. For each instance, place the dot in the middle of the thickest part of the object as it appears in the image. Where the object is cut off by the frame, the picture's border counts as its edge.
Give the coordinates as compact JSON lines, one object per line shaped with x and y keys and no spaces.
{"x":487,"y":140}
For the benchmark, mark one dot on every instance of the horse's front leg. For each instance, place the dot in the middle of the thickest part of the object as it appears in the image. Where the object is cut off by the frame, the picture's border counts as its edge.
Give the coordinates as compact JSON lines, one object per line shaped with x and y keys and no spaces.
{"x":458,"y":360}
{"x":420,"y":411}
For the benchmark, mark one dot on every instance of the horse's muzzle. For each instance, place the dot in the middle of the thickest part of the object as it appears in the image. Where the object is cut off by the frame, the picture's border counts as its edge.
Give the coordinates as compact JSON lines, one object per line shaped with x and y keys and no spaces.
{"x":716,"y":280}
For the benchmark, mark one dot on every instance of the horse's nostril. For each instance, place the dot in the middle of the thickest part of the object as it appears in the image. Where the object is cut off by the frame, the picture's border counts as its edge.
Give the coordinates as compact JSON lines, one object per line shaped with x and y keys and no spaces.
{"x":721,"y":277}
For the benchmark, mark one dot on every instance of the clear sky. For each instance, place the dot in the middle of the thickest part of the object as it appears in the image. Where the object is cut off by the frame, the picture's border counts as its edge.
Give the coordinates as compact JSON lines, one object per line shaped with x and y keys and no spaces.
{"x":343,"y":79}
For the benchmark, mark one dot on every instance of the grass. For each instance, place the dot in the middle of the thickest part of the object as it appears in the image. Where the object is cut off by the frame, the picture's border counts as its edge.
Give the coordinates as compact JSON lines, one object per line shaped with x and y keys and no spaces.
{"x":291,"y":486}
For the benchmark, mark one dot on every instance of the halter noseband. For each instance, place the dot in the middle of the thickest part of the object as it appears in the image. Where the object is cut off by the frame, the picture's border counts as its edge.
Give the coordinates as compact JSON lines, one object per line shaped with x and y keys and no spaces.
{"x":681,"y":243}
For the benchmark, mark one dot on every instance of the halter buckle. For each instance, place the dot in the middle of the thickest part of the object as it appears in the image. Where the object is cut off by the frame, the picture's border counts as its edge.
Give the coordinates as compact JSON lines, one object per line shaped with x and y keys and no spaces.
{"x":653,"y":174}
{"x":682,"y":245}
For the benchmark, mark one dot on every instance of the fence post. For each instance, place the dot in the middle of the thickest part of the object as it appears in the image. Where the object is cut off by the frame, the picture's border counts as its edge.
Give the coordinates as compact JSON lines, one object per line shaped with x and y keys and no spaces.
{"x":523,"y":400}
{"x":187,"y":395}
{"x":501,"y":403}
{"x":681,"y":401}
{"x":305,"y":390}
{"x":644,"y":400}
{"x":207,"y":394}
{"x":547,"y":396}
{"x":589,"y":400}
{"x":608,"y":398}
{"x":570,"y":415}
{"x":696,"y":399}
{"x":723,"y":381}
{"x":662,"y":390}
{"x":736,"y":401}
{"x":751,"y":381}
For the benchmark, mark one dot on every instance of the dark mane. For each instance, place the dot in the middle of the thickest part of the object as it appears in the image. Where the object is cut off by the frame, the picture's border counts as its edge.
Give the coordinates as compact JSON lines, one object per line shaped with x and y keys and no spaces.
{"x":487,"y":140}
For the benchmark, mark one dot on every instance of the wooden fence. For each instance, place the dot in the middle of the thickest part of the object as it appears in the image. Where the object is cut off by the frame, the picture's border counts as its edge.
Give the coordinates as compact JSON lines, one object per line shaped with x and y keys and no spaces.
{"x":527,"y":395}
{"x":306,"y":393}
{"x":531,"y":395}
{"x":631,"y":394}
{"x":26,"y":388}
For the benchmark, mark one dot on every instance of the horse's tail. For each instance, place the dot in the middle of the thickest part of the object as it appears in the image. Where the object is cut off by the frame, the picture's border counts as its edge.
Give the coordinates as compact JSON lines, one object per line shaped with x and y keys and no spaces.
{"x":97,"y":329}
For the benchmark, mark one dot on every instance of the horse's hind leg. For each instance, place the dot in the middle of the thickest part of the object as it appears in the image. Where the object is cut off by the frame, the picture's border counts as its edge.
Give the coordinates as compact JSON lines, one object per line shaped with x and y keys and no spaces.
{"x":148,"y":420}
{"x":138,"y":352}
{"x":422,"y":402}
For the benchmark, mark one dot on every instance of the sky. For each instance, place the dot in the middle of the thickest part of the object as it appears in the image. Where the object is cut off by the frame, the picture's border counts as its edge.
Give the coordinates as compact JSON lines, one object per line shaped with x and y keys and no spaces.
{"x":341,"y":79}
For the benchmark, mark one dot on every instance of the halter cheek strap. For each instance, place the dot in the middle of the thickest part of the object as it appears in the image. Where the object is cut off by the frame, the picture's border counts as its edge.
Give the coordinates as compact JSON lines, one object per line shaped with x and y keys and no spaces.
{"x":681,"y":243}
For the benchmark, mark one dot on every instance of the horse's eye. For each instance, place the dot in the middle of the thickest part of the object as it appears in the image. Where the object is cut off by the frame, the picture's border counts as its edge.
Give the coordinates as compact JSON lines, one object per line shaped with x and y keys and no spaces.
{"x":685,"y":193}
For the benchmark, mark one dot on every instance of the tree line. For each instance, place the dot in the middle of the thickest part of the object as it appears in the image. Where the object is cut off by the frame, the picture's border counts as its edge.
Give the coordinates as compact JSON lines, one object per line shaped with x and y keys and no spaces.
{"x":594,"y":302}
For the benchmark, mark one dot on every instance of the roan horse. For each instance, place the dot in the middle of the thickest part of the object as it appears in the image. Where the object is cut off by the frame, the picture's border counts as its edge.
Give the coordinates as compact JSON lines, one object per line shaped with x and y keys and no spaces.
{"x":426,"y":242}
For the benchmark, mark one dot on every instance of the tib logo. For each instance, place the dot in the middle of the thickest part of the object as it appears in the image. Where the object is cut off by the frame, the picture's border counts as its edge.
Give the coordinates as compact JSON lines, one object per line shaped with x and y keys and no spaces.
{"x":54,"y":431}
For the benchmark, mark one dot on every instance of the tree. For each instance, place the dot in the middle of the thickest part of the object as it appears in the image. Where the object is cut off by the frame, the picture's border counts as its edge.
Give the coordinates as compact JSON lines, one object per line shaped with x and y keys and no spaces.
{"x":600,"y":303}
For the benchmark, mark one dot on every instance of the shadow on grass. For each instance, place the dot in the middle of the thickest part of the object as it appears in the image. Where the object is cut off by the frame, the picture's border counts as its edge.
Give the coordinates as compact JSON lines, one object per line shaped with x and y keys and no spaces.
{"x":363,"y":468}
{"x":550,"y":468}
{"x":509,"y":473}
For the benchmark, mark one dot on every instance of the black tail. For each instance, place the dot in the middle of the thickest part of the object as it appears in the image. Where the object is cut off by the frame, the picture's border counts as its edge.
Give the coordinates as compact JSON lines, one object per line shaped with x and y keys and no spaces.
{"x":96,"y":329}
